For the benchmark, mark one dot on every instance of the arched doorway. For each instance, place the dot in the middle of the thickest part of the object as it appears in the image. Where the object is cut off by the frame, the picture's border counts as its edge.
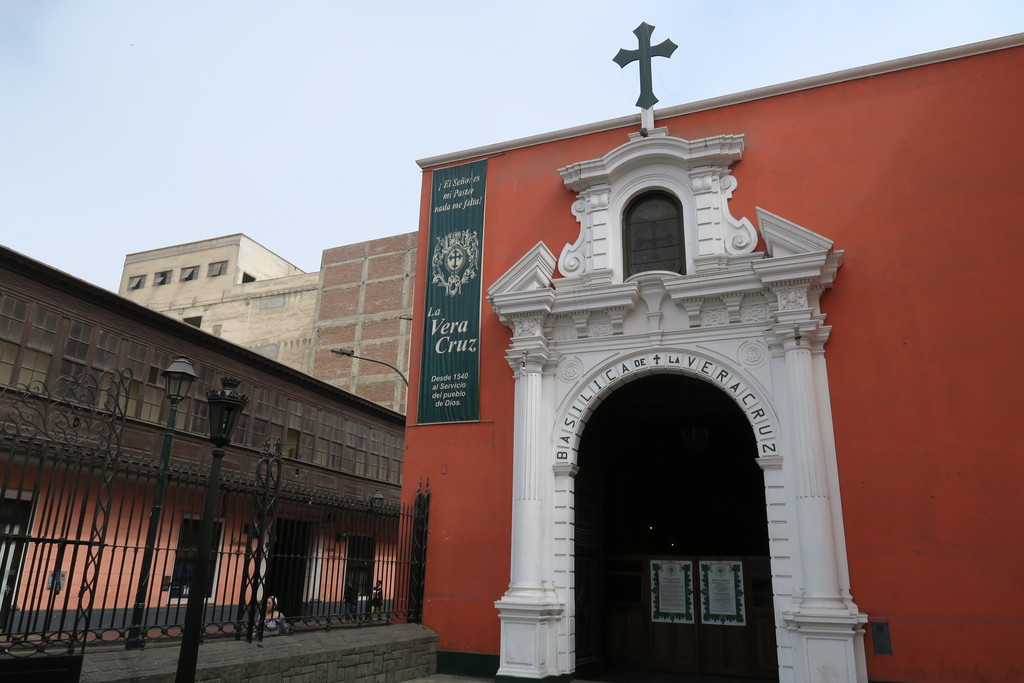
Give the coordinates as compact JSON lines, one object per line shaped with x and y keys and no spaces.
{"x":668,"y":477}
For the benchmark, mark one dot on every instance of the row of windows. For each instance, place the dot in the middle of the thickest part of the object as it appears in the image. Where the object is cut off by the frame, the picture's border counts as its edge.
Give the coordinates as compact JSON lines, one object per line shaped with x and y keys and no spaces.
{"x":187,"y":274}
{"x":38,"y":345}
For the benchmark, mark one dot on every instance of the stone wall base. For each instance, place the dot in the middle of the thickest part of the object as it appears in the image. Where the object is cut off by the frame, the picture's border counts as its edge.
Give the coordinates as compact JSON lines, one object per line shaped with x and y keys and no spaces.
{"x":388,"y":654}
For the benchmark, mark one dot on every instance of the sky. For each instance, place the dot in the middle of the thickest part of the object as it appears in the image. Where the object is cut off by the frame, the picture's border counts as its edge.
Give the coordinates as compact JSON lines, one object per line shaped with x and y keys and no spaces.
{"x":129,"y":125}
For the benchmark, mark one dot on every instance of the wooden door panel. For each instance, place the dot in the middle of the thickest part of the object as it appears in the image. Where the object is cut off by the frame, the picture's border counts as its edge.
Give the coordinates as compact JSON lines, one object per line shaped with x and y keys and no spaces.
{"x":674,"y":648}
{"x":627,"y":645}
{"x":633,"y":641}
{"x":725,"y":650}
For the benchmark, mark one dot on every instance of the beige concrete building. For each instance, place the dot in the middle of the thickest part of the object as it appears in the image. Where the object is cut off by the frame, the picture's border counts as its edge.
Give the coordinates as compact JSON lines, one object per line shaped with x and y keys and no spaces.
{"x":235,"y":288}
{"x":231,"y":287}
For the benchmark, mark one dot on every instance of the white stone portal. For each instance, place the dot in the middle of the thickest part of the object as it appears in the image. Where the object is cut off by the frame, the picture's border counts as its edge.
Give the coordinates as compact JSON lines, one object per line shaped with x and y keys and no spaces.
{"x":747,"y":322}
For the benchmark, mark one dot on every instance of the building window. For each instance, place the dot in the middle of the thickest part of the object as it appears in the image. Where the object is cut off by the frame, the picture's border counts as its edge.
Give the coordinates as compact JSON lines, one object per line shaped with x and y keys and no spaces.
{"x":38,"y":352}
{"x":185,"y":558}
{"x":107,"y":345}
{"x":43,"y":332}
{"x":8,"y":354}
{"x":653,"y":235}
{"x":194,"y":321}
{"x":152,"y":394}
{"x":35,"y":367}
{"x":136,"y":282}
{"x":218,"y":268}
{"x":248,"y":278}
{"x":200,"y":409}
{"x":189,"y":273}
{"x":79,"y":341}
{"x":360,"y":553}
{"x":76,"y":349}
{"x":162,"y":278}
{"x":356,"y":447}
{"x":15,"y":526}
{"x":13,"y":314}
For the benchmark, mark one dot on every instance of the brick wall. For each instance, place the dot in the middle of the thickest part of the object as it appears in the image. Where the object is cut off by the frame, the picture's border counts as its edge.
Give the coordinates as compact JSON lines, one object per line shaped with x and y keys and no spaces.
{"x":366,"y":300}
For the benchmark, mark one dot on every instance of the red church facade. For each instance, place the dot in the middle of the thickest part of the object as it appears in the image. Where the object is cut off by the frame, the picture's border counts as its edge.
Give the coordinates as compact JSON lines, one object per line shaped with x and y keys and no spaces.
{"x":817,"y":400}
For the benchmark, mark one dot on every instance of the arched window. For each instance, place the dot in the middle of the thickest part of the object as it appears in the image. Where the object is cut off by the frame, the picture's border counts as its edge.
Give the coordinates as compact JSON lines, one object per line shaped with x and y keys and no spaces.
{"x":653,"y":235}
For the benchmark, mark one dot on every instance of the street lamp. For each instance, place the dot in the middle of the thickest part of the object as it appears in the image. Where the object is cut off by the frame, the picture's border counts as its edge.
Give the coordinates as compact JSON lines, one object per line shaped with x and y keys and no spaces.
{"x":352,"y":354}
{"x":376,"y":503}
{"x":178,"y":378}
{"x":226,"y":405}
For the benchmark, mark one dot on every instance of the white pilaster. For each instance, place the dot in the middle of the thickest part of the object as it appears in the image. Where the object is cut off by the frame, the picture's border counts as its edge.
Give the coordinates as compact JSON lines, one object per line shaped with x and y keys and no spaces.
{"x":826,"y":623}
{"x":528,"y":500}
{"x":530,"y":609}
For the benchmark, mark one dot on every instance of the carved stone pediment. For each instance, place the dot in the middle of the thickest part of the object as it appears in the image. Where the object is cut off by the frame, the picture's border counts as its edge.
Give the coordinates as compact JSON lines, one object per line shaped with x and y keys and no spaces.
{"x":695,"y":172}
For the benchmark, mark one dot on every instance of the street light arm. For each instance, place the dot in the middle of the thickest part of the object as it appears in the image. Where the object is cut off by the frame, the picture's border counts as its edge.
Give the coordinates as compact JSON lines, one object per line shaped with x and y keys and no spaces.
{"x":351,"y":354}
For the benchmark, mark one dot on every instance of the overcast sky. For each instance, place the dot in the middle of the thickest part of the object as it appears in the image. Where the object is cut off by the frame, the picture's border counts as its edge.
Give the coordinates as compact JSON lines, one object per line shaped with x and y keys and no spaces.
{"x":128,"y":125}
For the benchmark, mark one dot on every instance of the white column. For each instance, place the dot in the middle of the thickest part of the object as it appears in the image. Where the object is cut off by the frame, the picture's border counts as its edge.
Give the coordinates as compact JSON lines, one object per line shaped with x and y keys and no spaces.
{"x":529,"y":609}
{"x":826,"y":624}
{"x":814,"y":510}
{"x":528,"y":531}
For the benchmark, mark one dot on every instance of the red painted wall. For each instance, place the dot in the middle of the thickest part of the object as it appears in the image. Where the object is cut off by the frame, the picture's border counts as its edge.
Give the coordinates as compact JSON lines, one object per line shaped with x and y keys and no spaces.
{"x":917,"y":176}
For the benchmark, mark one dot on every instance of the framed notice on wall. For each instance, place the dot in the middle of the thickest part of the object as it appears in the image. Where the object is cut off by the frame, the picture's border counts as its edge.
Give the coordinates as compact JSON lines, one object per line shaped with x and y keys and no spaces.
{"x":672,"y":591}
{"x":721,"y":593}
{"x":449,"y":389}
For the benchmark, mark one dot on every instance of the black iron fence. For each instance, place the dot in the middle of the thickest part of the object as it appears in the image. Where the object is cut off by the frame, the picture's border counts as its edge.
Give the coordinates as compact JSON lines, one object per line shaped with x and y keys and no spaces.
{"x":74,"y":536}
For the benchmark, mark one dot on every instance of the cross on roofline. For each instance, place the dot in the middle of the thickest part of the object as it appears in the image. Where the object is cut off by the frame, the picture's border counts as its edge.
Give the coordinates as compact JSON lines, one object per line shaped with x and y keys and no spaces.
{"x":643,"y":55}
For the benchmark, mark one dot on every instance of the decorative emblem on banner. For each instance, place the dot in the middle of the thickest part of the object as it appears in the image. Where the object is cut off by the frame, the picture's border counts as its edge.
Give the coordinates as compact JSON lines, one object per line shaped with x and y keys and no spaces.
{"x":456,"y":260}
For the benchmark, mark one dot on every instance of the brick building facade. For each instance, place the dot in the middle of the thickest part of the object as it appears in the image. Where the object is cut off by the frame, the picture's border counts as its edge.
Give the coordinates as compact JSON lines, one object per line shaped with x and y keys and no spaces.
{"x":365,"y":303}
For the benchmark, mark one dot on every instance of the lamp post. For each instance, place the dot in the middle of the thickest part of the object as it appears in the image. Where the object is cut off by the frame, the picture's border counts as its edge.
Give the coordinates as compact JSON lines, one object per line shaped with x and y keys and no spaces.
{"x":376,"y":503}
{"x":352,"y":354}
{"x":178,"y":378}
{"x":226,"y":405}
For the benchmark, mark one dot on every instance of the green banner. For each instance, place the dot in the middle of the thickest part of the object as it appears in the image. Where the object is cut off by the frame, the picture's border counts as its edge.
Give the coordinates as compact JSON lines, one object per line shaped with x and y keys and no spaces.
{"x":449,"y":388}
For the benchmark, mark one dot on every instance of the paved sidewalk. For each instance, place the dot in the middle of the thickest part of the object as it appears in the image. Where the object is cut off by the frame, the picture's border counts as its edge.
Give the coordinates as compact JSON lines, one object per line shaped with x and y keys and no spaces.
{"x":618,"y":676}
{"x":448,"y":678}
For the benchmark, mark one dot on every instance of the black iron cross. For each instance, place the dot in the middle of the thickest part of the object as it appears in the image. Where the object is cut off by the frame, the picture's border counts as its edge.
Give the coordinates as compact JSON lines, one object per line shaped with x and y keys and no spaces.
{"x":664,"y":49}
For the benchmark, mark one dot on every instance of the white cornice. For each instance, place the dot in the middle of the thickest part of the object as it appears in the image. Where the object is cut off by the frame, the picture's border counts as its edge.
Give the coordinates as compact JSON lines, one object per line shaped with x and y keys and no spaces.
{"x":719,"y":150}
{"x":786,"y":238}
{"x":903,"y":63}
{"x":532,"y":272}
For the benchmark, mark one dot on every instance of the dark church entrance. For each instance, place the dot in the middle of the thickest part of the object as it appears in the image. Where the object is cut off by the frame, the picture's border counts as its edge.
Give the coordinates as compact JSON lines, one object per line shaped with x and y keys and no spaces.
{"x":668,"y":479}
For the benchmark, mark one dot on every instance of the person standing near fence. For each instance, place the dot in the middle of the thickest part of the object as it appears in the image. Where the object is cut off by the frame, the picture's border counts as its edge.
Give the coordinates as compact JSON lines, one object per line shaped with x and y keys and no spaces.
{"x":274,"y":622}
{"x":377,"y":599}
{"x":351,"y":598}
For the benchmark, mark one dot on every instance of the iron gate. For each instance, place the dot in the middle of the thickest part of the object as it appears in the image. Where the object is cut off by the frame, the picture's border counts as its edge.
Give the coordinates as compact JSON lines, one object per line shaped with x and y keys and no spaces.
{"x":74,"y":508}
